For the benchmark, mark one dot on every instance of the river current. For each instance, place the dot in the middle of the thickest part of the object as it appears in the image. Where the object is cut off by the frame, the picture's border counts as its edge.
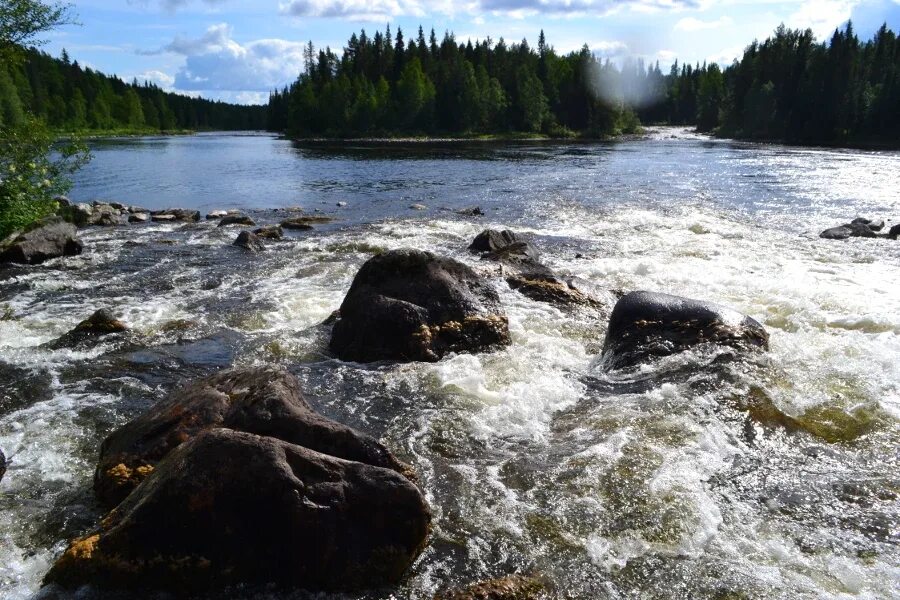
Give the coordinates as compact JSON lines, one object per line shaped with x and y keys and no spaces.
{"x":686,"y":478}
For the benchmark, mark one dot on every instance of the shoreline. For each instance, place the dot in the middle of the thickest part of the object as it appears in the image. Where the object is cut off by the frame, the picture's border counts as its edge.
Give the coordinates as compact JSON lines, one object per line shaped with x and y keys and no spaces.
{"x":460,"y":140}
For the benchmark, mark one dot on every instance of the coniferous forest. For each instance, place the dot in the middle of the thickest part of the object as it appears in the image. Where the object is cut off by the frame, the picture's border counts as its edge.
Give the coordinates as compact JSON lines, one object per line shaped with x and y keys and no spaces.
{"x":788,"y":88}
{"x":69,"y":97}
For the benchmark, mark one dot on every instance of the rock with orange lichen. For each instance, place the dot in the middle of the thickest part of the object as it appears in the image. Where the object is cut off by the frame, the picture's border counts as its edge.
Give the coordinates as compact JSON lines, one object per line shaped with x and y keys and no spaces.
{"x":415,"y":306}
{"x":262,"y":400}
{"x":230,"y":507}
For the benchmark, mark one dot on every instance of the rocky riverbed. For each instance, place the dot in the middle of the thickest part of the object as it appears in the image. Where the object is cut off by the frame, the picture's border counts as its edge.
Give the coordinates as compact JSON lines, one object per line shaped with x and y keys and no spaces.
{"x":554,"y":461}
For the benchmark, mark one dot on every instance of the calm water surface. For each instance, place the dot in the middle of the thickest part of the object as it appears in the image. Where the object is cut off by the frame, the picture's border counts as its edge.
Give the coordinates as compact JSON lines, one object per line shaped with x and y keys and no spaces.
{"x":656,"y":483}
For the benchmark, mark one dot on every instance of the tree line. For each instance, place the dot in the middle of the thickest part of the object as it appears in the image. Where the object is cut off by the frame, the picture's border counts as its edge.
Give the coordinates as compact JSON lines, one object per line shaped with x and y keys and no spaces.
{"x":787,"y":88}
{"x":68,"y":97}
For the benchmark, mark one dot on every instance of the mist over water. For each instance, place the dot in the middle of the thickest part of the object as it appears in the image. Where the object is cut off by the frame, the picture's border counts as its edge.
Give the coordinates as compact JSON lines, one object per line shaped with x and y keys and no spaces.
{"x":651,"y":483}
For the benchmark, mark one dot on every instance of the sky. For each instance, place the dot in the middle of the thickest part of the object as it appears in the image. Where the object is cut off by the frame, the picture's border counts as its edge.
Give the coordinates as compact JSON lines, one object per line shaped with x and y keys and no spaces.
{"x":239,"y":50}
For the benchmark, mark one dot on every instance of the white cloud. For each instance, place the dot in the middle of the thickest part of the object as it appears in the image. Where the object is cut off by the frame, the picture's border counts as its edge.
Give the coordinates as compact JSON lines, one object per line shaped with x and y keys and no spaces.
{"x":216,"y":62}
{"x":163,"y":80}
{"x":691,"y":24}
{"x":822,"y":16}
{"x":609,"y":49}
{"x":519,"y":9}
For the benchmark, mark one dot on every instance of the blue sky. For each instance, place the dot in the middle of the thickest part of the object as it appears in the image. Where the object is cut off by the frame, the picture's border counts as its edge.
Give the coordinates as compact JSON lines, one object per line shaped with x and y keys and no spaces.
{"x":237,"y":50}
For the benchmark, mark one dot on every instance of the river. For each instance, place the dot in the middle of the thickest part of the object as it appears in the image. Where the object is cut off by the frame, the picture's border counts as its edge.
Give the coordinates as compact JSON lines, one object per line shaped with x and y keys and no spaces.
{"x":655,"y":483}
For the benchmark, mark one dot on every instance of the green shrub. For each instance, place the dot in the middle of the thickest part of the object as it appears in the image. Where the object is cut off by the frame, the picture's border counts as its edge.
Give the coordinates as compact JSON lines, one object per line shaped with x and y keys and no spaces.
{"x":33,"y":171}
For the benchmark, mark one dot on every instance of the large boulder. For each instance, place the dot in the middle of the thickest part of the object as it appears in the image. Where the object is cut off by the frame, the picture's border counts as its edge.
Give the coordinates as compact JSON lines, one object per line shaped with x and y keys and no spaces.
{"x":229,"y":507}
{"x":100,"y":324}
{"x":48,"y":238}
{"x":261,"y":400}
{"x":650,"y":324}
{"x":416,"y":306}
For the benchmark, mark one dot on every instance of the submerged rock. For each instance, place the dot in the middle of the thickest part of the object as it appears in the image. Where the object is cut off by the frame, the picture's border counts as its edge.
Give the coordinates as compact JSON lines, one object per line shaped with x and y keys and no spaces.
{"x":2,"y":465}
{"x":415,"y":306}
{"x":418,"y":207}
{"x":305,"y":222}
{"x":176,"y":214}
{"x":526,"y":274}
{"x":229,"y":507}
{"x":474,"y":211}
{"x":99,"y":324}
{"x":249,"y":241}
{"x":270,"y":232}
{"x":491,"y":240}
{"x":236,"y":219}
{"x":262,"y":400}
{"x":649,"y":324}
{"x":514,"y":587}
{"x":48,"y":238}
{"x":551,"y":289}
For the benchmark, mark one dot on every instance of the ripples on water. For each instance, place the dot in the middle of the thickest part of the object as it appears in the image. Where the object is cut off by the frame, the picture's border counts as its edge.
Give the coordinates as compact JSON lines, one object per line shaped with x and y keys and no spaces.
{"x":652,"y":484}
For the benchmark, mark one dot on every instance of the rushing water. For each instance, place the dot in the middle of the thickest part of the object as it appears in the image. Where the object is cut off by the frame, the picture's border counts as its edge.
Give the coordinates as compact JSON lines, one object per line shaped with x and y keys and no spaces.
{"x":655,"y":483}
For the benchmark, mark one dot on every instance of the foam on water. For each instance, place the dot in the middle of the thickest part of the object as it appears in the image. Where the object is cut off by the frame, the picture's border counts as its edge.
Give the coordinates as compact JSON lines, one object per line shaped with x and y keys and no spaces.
{"x":654,"y":482}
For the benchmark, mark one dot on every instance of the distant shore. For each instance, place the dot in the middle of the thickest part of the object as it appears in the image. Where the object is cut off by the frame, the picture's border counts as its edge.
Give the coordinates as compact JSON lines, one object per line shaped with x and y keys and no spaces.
{"x":463,"y":139}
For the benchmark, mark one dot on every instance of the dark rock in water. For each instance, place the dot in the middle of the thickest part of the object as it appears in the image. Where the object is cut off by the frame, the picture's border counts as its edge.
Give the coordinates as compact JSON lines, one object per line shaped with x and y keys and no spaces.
{"x":894,"y":232}
{"x":236,"y":219}
{"x":474,"y":211}
{"x":415,"y":306}
{"x":250,"y":241}
{"x":139,"y":217}
{"x":847,"y":231}
{"x":551,"y":289}
{"x":48,"y":238}
{"x":229,"y":508}
{"x":99,"y":324}
{"x":176,"y":214}
{"x":262,"y":400}
{"x":341,"y":204}
{"x":2,"y":465}
{"x":491,"y":240}
{"x":519,"y":255}
{"x":270,"y":232}
{"x":305,"y":222}
{"x":117,"y":205}
{"x":216,"y":214}
{"x":648,"y":324}
{"x":871,"y":224}
{"x":514,"y":587}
